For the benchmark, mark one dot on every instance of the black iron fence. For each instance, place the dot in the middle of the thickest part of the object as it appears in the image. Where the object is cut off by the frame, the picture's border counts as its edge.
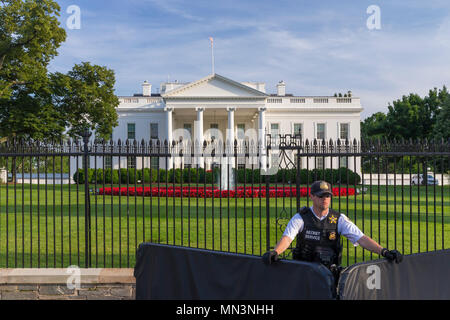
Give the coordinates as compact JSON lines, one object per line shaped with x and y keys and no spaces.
{"x":92,"y":203}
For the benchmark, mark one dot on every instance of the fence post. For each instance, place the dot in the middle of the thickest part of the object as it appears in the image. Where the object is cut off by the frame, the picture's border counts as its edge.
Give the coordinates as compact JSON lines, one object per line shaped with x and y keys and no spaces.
{"x":297,"y":183}
{"x":267,"y":199}
{"x":87,"y":208}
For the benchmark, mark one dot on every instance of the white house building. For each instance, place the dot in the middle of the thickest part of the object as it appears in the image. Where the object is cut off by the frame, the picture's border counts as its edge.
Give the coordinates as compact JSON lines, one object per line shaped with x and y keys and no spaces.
{"x":221,"y":108}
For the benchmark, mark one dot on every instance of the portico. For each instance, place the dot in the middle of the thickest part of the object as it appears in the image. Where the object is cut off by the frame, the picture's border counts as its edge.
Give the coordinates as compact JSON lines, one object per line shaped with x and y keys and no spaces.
{"x":205,"y":124}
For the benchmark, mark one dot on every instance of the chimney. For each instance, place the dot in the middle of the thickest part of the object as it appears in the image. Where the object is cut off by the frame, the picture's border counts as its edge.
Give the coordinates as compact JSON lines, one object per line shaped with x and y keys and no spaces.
{"x":281,"y":88}
{"x":146,"y":88}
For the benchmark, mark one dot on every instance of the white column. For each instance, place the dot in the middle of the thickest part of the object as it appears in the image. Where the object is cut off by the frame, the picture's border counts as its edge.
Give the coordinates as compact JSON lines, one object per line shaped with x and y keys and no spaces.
{"x":262,"y":136}
{"x":198,"y":127}
{"x":230,"y":128}
{"x":228,"y":162}
{"x":168,"y":112}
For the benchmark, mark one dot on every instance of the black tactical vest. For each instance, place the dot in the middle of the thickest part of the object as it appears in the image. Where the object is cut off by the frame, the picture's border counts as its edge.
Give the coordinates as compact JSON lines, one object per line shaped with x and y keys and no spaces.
{"x":319,"y":241}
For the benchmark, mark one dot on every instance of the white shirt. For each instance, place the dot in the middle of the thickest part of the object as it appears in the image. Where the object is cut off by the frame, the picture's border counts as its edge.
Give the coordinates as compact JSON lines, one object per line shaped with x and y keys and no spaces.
{"x":345,"y":227}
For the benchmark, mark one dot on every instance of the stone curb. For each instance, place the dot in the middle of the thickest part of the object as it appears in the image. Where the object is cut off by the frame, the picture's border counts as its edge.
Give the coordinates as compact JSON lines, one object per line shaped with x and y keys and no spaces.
{"x":60,"y":276}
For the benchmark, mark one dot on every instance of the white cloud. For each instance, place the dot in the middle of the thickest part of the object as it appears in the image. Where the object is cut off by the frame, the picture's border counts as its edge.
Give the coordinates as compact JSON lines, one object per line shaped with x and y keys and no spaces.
{"x":173,"y":7}
{"x":378,"y":66}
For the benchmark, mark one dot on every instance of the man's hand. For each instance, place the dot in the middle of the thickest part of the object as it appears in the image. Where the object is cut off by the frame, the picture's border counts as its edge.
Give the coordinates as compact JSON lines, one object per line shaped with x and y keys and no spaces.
{"x":392,"y":255}
{"x":270,"y":256}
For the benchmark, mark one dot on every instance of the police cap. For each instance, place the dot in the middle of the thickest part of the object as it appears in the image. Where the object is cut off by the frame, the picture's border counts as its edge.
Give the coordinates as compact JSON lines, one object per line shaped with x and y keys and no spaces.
{"x":320,"y":188}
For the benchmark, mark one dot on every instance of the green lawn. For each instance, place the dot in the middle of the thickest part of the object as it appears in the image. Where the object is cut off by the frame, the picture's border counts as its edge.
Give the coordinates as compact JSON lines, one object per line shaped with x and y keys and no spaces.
{"x":48,"y":229}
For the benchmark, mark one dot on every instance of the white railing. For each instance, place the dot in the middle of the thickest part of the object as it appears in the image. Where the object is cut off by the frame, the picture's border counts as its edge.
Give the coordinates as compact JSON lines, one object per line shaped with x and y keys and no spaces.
{"x":140,"y":100}
{"x":313,"y":100}
{"x":297,"y":100}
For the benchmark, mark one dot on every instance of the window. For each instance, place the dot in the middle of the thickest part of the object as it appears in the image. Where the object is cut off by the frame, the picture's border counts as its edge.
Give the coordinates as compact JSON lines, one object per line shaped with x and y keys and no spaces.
{"x":154,"y":131}
{"x":298,"y":130}
{"x":321,"y":131}
{"x":319,"y":163}
{"x":108,"y":162}
{"x":344,"y":131}
{"x":131,"y":162}
{"x":241,"y":131}
{"x":343,"y":162}
{"x":274,"y":129}
{"x":131,"y":131}
{"x":154,"y":163}
{"x":188,"y":127}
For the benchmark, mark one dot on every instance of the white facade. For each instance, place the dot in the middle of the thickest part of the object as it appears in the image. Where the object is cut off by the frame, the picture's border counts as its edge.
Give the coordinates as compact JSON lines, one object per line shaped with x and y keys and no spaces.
{"x":230,"y":106}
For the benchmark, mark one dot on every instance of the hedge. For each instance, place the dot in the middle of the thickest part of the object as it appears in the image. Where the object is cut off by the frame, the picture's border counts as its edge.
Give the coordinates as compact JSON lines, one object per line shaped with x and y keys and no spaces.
{"x":192,"y":175}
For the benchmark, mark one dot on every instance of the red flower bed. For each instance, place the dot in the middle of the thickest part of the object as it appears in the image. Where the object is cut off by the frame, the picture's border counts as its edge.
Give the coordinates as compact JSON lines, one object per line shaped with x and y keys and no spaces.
{"x":209,"y":192}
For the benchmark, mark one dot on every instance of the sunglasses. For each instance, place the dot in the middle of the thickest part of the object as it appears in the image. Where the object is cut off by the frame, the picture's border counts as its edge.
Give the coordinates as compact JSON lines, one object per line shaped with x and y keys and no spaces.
{"x":324,"y":196}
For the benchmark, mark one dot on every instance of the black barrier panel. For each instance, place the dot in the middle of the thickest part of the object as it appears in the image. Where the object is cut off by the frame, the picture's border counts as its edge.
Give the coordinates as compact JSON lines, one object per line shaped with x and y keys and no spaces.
{"x":420,"y":276}
{"x":174,"y":273}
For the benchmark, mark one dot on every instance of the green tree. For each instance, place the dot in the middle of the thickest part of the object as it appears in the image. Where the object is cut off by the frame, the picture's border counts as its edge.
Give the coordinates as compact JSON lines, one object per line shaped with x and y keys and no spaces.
{"x":29,"y":37}
{"x":403,"y":118}
{"x":441,"y":129}
{"x":432,"y":105}
{"x":373,"y":126}
{"x":30,"y":114}
{"x":36,"y":104}
{"x":85,"y":97}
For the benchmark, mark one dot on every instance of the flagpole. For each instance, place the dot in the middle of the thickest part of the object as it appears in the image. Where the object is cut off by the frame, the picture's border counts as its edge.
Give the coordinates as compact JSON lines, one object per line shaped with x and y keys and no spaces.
{"x":212,"y":53}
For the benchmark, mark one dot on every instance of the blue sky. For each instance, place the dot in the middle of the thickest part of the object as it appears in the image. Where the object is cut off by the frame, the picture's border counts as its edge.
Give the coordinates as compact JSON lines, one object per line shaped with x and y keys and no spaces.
{"x":316,"y":47}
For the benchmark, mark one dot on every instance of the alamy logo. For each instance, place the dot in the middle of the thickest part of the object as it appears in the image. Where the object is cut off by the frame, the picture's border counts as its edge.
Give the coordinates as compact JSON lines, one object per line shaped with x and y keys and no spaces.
{"x":374,"y":280}
{"x":74,"y":280}
{"x":74,"y":21}
{"x":374,"y":21}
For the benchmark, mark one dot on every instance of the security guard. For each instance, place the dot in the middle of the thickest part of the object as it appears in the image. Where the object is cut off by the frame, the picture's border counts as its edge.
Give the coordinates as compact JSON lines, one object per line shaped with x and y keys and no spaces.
{"x":318,"y":230}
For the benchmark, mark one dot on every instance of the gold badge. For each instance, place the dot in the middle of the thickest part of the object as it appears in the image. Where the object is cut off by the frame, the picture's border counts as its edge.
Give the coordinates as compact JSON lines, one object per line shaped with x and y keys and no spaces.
{"x":332,"y":236}
{"x":333,"y":219}
{"x":323,"y":185}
